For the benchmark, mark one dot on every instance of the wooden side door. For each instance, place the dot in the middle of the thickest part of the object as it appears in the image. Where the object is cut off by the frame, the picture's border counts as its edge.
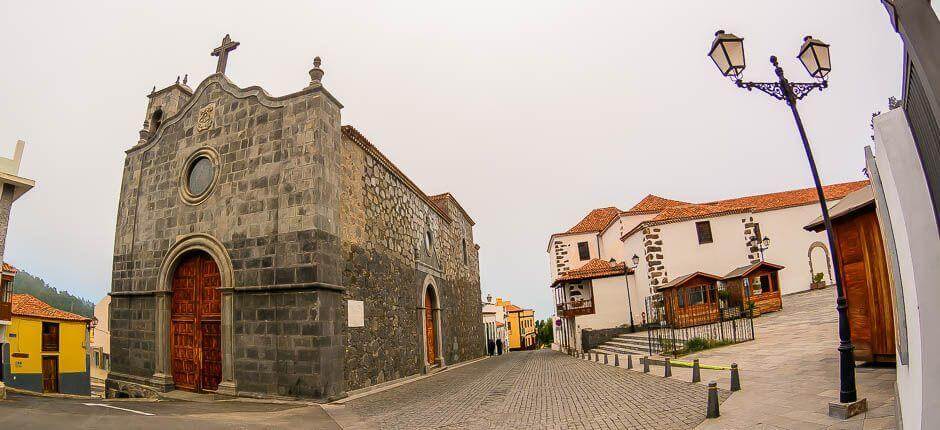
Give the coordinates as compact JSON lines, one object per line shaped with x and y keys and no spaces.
{"x":210,"y":318}
{"x":880,"y":300}
{"x":50,"y":374}
{"x":430,"y":334}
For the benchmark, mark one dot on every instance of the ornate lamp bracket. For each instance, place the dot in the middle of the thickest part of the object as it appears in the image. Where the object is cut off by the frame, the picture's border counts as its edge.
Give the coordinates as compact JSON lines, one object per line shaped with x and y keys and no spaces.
{"x":776,"y":90}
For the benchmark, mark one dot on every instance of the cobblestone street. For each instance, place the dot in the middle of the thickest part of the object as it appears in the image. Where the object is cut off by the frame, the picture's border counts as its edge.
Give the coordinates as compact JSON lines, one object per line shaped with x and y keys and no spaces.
{"x":534,"y":390}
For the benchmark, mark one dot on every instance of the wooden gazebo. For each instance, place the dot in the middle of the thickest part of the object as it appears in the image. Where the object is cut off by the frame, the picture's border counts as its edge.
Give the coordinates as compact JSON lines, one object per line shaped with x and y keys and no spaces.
{"x":690,"y":300}
{"x":757,"y":283}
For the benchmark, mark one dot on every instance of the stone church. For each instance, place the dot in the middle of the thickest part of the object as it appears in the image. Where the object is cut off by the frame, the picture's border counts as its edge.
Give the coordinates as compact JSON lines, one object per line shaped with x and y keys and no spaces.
{"x":263,"y":249}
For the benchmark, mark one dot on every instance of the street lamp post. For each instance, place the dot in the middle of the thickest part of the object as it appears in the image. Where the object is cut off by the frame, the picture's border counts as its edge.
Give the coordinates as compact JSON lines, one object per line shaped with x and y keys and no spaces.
{"x":626,"y":278}
{"x":727,"y":51}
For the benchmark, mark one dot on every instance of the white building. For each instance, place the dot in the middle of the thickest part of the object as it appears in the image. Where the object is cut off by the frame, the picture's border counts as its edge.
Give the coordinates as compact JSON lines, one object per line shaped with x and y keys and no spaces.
{"x":100,"y":360}
{"x":908,"y":222}
{"x":671,"y":238}
{"x":494,"y":323}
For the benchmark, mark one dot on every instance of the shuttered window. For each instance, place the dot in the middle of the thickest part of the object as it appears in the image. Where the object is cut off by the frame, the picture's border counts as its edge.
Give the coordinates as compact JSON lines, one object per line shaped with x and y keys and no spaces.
{"x":704,"y":230}
{"x":926,"y":133}
{"x":584,"y":253}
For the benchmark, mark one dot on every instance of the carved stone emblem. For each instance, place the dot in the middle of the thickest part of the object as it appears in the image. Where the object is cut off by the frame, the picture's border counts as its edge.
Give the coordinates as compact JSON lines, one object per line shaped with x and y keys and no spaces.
{"x":204,"y":121}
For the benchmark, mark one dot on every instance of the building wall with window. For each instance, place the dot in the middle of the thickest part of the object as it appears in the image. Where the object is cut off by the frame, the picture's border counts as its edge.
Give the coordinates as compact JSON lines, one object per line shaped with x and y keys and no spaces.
{"x":564,"y":251}
{"x":100,"y":361}
{"x":34,"y":340}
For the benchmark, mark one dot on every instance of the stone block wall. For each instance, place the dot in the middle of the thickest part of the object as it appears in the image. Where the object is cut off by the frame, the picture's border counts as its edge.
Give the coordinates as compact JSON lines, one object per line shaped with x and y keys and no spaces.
{"x":385,"y":219}
{"x":653,"y":248}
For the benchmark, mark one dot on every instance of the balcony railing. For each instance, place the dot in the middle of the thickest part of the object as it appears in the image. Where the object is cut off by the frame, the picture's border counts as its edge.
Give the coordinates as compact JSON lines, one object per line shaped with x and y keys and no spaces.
{"x":575,"y":308}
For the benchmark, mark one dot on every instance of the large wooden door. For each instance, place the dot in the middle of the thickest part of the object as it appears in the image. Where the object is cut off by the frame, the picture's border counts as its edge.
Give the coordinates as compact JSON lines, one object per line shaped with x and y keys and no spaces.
{"x":50,"y":374}
{"x":195,"y":330}
{"x":429,"y":329}
{"x":865,"y":276}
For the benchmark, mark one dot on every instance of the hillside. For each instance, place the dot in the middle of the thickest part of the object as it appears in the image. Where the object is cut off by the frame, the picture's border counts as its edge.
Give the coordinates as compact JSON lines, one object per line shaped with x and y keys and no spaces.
{"x":25,"y":283}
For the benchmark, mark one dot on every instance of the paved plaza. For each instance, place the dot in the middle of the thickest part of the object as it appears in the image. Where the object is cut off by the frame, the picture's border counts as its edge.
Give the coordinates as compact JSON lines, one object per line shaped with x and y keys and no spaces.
{"x":533,"y":390}
{"x":790,"y":372}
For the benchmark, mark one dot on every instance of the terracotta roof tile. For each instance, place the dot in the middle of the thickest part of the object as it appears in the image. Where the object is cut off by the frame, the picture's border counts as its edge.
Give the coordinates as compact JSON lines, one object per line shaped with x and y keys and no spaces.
{"x":785,"y":199}
{"x":652,"y":203}
{"x":595,"y":268}
{"x":28,"y":306}
{"x":595,"y":221}
{"x":8,"y":268}
{"x":694,"y":211}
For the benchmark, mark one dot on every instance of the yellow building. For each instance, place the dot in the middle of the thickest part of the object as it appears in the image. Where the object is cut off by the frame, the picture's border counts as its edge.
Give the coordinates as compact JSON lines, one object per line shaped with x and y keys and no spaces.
{"x":47,"y":349}
{"x":521,"y":326}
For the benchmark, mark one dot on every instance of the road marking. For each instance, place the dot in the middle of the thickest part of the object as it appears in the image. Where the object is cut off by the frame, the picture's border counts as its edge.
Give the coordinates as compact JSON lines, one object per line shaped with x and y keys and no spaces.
{"x":120,"y":409}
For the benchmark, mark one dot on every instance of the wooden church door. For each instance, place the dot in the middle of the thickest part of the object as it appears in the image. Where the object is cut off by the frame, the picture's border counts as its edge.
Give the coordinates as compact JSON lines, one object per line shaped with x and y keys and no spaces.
{"x":429,"y":331}
{"x":196,"y":349}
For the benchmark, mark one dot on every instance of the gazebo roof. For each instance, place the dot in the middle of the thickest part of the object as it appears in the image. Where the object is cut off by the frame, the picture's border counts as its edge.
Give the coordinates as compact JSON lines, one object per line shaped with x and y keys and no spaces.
{"x":746,"y":270}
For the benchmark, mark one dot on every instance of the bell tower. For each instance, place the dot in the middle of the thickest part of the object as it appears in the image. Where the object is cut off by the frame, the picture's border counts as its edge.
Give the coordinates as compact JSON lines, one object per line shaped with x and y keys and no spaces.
{"x":163,"y":104}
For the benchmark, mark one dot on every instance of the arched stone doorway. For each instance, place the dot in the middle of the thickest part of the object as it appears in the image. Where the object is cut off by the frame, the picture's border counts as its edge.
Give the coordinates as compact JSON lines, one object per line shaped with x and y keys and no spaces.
{"x":207,"y":248}
{"x":429,"y":306}
{"x":196,"y":323}
{"x":430,"y":328}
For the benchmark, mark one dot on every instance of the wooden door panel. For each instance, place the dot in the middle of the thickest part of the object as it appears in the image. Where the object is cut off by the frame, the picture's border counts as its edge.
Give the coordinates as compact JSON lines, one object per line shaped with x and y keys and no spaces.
{"x":429,"y":329}
{"x":50,"y":374}
{"x":211,"y":355}
{"x":196,"y":329}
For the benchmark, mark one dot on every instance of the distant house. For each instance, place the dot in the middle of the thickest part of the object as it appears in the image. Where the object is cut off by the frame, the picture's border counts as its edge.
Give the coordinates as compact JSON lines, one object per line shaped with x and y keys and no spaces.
{"x":627,"y":256}
{"x":521,"y":324}
{"x":47,"y":350}
{"x":494,"y":322}
{"x":100,"y":361}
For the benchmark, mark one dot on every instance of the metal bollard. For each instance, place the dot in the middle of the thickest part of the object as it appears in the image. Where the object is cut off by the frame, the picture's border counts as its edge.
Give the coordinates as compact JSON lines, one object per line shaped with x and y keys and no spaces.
{"x":616,"y":360}
{"x":629,"y":361}
{"x":735,"y":378}
{"x":696,"y":371}
{"x":667,"y":371}
{"x":646,"y":364}
{"x":712,"y":411}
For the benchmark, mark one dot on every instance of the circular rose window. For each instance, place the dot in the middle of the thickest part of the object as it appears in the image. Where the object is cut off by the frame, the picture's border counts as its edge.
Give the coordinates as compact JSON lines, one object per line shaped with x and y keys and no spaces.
{"x":199,"y":175}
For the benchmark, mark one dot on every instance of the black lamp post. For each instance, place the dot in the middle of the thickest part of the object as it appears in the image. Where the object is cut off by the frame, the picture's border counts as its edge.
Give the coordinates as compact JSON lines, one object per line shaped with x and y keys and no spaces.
{"x":626,"y":278}
{"x":727,"y":51}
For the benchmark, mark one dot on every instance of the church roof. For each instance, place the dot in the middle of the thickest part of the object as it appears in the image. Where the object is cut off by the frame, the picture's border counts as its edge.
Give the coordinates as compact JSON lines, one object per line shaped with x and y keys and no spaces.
{"x":435,"y":202}
{"x":595,"y":221}
{"x":653,"y":203}
{"x":7,"y":268}
{"x":26,"y":305}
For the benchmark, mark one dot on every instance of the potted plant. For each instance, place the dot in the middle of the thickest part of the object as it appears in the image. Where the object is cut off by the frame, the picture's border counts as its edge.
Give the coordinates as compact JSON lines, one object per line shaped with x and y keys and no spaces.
{"x":818,"y":281}
{"x":755,"y":311}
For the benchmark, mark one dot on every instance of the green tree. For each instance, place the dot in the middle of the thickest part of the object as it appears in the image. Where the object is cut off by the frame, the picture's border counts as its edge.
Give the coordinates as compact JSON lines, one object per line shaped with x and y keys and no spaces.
{"x":26,"y":283}
{"x":545,"y":334}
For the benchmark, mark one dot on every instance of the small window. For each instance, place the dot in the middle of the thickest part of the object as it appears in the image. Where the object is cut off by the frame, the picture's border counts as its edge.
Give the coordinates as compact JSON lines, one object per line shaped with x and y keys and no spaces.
{"x":156,"y":120}
{"x":704,"y":229}
{"x":50,"y":337}
{"x":107,"y":362}
{"x":428,"y":242}
{"x":765,"y":284}
{"x":98,"y":359}
{"x":584,"y":253}
{"x":464,"y":243}
{"x":6,"y":291}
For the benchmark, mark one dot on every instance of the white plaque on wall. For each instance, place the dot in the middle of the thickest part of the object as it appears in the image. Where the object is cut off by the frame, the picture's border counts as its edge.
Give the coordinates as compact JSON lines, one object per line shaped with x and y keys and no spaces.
{"x":355,"y":313}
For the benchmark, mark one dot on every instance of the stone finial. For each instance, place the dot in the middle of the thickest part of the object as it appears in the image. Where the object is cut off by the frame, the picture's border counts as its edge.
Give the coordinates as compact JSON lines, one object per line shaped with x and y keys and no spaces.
{"x":185,"y":79}
{"x":316,"y":73}
{"x":177,"y":79}
{"x":153,"y":90}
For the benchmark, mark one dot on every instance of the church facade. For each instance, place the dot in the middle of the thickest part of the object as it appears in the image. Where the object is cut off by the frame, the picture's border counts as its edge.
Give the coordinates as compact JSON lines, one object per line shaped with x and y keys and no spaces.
{"x":264,"y":249}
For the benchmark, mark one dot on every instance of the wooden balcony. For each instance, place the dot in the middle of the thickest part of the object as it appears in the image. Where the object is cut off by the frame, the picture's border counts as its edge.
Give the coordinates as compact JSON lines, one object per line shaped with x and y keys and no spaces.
{"x":6,"y":311}
{"x":575,"y":308}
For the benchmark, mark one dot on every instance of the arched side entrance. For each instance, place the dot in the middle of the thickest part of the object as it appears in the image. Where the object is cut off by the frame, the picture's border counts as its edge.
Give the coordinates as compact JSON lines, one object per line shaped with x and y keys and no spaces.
{"x":429,"y":307}
{"x":196,"y":326}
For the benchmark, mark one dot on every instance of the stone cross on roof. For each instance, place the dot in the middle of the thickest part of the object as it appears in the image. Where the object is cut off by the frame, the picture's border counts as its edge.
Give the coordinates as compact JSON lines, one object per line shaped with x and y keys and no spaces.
{"x":222,"y":52}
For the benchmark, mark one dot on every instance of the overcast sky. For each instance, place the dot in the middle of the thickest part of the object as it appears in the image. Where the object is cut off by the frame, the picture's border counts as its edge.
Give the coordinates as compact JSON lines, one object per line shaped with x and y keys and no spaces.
{"x":530,"y":113}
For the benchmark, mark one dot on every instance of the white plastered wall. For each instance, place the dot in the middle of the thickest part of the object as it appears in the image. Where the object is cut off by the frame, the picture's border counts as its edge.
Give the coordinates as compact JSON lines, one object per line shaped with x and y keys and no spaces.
{"x":790,"y":244}
{"x":683,"y":254}
{"x":568,"y":244}
{"x":918,"y":251}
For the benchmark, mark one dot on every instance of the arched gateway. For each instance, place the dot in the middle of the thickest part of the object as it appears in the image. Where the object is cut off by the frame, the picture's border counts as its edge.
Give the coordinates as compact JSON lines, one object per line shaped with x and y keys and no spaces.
{"x":196,"y":330}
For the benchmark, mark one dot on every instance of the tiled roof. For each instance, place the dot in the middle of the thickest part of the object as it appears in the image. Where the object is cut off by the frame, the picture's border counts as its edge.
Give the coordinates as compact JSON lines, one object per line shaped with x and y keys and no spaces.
{"x":441,"y":199}
{"x":652,"y":203}
{"x":360,"y":139}
{"x":595,"y":221}
{"x":513,"y":308}
{"x":744,"y":270}
{"x":28,"y":306}
{"x":499,"y":324}
{"x":596,"y":268}
{"x":785,"y":199}
{"x":7,"y":268}
{"x":686,"y":278}
{"x":678,"y":213}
